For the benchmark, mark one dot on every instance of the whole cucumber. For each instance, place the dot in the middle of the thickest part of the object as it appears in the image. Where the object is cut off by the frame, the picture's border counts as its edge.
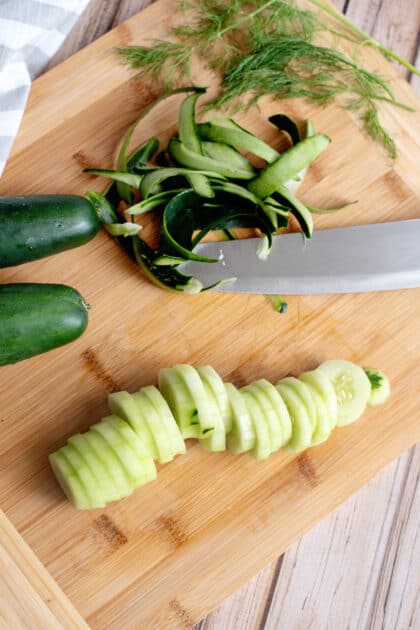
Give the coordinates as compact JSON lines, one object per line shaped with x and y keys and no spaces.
{"x":35,"y":318}
{"x":35,"y":226}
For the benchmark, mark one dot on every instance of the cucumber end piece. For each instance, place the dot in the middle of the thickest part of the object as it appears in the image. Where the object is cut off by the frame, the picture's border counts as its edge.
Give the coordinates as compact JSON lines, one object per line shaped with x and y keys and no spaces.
{"x":379,"y":385}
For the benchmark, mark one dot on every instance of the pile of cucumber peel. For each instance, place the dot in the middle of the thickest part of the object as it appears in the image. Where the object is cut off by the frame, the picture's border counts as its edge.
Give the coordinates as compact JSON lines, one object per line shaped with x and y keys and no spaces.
{"x":118,"y":454}
{"x":201,"y":182}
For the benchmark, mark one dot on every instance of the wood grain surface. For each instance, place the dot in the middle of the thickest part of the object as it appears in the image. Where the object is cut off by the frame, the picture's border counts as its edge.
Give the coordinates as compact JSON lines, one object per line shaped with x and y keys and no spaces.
{"x":357,"y":568}
{"x":29,"y":596}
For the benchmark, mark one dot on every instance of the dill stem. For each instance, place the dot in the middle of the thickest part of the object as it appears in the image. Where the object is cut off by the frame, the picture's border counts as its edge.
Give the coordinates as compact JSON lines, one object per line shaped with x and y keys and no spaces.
{"x":386,"y":51}
{"x":247,"y":17}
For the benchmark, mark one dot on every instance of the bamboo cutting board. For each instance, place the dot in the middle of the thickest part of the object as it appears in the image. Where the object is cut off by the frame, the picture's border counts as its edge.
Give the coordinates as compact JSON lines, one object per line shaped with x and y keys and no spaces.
{"x":170,"y":553}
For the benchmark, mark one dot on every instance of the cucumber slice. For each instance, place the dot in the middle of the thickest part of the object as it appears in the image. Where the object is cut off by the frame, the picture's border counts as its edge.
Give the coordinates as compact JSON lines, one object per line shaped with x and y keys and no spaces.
{"x":207,"y":410}
{"x":301,"y":424}
{"x":380,"y":387}
{"x":323,"y":386}
{"x":352,"y":389}
{"x":211,"y":377}
{"x":87,"y":478}
{"x":110,"y":461}
{"x":279,"y":406}
{"x":241,"y":438}
{"x":137,"y":446}
{"x":270,"y":416}
{"x":180,"y":401}
{"x":262,"y":448}
{"x":167,"y":419}
{"x":102,"y":477}
{"x":161,"y":438}
{"x":122,"y":404}
{"x":127,"y":456}
{"x":69,"y":480}
{"x":305,"y":394}
{"x":216,"y":443}
{"x":323,"y":427}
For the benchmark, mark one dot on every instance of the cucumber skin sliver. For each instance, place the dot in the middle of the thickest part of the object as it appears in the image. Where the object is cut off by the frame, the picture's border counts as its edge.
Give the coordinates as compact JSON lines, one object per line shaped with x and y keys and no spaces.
{"x":288,"y":165}
{"x":189,"y":159}
{"x":229,"y":132}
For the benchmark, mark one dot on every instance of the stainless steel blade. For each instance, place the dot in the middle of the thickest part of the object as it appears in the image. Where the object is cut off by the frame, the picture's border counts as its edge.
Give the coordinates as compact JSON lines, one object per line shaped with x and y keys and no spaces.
{"x":375,"y":257}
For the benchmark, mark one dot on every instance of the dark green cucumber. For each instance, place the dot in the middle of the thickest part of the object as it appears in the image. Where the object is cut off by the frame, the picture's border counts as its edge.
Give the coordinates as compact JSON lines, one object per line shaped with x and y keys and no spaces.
{"x":35,"y":318}
{"x":35,"y":226}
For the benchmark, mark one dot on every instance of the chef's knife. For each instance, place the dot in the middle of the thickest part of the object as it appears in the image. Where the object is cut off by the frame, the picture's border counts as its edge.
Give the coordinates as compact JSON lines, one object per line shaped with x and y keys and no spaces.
{"x":375,"y":257}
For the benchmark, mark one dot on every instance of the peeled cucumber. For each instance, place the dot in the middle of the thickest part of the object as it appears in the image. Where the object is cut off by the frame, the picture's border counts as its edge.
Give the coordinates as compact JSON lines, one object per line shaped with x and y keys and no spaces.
{"x":116,"y":455}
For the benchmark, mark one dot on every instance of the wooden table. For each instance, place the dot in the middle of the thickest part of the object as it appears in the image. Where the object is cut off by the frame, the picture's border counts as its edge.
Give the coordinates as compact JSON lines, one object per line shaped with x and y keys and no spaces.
{"x":359,"y":567}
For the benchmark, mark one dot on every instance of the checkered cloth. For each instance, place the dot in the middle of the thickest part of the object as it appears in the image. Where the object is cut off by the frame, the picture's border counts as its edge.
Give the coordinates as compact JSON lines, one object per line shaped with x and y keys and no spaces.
{"x":31,"y":31}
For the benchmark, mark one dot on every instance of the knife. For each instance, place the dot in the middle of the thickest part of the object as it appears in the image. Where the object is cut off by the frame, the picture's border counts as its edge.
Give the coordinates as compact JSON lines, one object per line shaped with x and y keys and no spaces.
{"x":376,"y":257}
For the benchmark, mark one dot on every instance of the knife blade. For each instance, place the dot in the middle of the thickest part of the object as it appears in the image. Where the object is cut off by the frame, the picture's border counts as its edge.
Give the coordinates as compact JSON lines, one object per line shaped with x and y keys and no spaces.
{"x":375,"y":257}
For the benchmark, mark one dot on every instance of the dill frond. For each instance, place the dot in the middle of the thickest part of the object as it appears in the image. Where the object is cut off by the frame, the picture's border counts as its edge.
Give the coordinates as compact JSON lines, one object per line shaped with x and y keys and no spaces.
{"x":266,"y":48}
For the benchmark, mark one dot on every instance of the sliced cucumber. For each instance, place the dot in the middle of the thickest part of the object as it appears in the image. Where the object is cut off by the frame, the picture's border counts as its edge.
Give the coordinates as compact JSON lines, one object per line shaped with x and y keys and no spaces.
{"x":161,"y":437}
{"x":323,"y":427}
{"x":211,"y":377}
{"x":279,"y":406}
{"x":380,"y":387}
{"x":69,"y":480}
{"x":137,"y":446}
{"x":241,"y":438}
{"x":180,"y":401}
{"x":262,"y":448}
{"x":167,"y":419}
{"x":216,"y":442}
{"x":305,"y":394}
{"x":87,"y":478}
{"x":103,"y":478}
{"x":207,"y":411}
{"x":352,"y":389}
{"x":122,"y":404}
{"x":324,"y":387}
{"x":132,"y":467}
{"x":110,"y":461}
{"x":301,"y":424}
{"x":270,"y":416}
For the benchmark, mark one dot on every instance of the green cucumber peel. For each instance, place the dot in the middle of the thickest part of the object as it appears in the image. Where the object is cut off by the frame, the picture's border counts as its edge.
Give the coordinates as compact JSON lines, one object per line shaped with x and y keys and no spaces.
{"x":227,"y":131}
{"x":278,"y":303}
{"x":123,"y":229}
{"x":288,"y":165}
{"x":154,"y":178}
{"x":192,"y":160}
{"x":287,"y":125}
{"x":330,"y":210}
{"x":131,"y":179}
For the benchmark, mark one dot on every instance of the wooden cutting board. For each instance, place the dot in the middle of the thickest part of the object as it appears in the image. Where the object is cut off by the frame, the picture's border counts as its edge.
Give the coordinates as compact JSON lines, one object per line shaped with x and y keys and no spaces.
{"x":174,"y":550}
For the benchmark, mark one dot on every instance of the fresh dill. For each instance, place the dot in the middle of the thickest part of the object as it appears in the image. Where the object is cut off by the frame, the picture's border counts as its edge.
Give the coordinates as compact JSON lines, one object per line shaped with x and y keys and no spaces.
{"x":267,"y":47}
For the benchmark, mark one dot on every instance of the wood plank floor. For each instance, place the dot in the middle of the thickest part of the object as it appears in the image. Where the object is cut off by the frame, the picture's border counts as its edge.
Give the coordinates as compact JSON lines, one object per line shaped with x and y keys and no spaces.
{"x":359,"y":568}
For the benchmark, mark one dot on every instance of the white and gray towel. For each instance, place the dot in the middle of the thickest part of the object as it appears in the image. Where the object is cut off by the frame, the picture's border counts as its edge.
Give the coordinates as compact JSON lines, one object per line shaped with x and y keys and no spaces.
{"x":31,"y":31}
